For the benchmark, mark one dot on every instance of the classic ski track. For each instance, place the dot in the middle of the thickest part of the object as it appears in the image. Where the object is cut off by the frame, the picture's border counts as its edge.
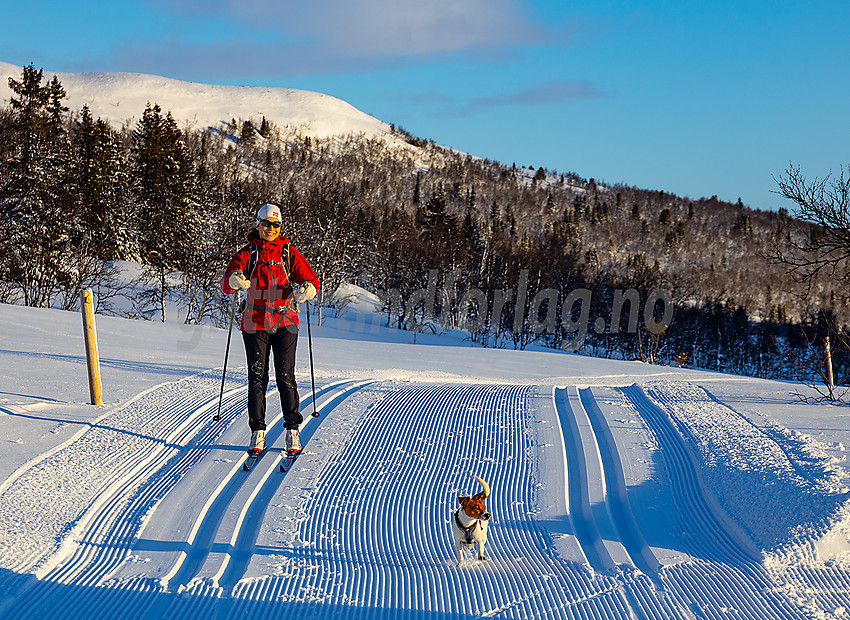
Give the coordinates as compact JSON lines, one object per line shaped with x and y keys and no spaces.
{"x":170,"y":427}
{"x":104,"y":535}
{"x":242,"y":537}
{"x":725,"y":572}
{"x":212,"y":520}
{"x":616,"y":497}
{"x":716,"y":536}
{"x":598,"y":502}
{"x":213,"y":516}
{"x":162,"y":431}
{"x":584,"y":470}
{"x":208,"y":520}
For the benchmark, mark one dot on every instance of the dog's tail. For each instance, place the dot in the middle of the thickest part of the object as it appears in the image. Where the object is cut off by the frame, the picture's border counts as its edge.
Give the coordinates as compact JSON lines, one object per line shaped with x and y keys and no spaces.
{"x":485,"y":485}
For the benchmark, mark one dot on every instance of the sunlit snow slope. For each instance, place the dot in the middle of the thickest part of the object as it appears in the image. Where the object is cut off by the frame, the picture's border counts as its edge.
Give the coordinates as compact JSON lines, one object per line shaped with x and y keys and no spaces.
{"x":121,"y":97}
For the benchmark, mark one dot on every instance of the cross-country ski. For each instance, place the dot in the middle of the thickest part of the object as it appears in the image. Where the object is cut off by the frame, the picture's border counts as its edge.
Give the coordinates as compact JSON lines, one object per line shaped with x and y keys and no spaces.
{"x":287,"y":460}
{"x":250,"y":460}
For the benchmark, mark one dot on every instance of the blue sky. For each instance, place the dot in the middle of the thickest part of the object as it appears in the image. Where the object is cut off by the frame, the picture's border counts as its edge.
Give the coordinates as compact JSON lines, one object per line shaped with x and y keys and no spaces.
{"x":694,"y":98}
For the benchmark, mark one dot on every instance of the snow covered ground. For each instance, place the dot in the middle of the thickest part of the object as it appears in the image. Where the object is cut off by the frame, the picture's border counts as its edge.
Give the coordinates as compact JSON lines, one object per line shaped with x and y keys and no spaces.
{"x":619,"y":489}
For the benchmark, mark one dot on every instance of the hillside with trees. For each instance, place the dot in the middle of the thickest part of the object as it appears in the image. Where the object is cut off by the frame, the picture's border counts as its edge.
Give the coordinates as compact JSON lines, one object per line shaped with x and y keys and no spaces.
{"x":504,"y":251}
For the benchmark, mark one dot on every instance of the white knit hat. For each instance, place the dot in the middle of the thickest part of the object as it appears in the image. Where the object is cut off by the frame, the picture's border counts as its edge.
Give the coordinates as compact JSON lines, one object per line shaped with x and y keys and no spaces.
{"x":269,"y":212}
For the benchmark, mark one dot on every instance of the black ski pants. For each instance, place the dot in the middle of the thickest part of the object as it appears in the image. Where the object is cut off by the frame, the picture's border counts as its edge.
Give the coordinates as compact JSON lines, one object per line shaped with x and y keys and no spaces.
{"x":259,"y":345}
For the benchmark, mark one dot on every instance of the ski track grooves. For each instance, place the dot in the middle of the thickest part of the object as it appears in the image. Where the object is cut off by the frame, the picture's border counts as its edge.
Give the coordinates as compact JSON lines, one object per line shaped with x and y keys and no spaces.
{"x":615,"y":484}
{"x":598,"y":503}
{"x":209,"y":519}
{"x":106,"y":532}
{"x":378,"y":538}
{"x":244,"y":537}
{"x":583,"y":469}
{"x":372,"y":537}
{"x":717,"y":538}
{"x":725,"y":573}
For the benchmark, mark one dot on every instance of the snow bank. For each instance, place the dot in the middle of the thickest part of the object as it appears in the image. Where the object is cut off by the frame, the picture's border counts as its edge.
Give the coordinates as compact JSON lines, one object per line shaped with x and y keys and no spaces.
{"x":779,"y":485}
{"x":352,"y":297}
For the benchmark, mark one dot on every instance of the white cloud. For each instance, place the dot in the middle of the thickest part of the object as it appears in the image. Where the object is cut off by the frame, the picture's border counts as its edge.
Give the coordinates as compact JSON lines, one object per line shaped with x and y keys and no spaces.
{"x":369,"y":28}
{"x":556,"y":91}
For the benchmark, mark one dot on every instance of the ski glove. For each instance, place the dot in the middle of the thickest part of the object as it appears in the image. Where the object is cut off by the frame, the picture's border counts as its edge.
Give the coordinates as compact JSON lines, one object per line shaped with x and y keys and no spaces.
{"x":305,"y":293}
{"x":238,"y":280}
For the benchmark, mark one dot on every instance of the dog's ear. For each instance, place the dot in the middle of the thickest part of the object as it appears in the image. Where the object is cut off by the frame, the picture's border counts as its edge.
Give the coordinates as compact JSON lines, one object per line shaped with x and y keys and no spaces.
{"x":462,"y":500}
{"x":479,"y":497}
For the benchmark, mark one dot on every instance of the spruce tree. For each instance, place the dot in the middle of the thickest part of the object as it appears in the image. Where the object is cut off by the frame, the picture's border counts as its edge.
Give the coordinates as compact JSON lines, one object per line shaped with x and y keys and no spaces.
{"x":101,"y":179}
{"x":248,"y":135}
{"x":417,"y":191}
{"x":163,"y":184}
{"x":36,"y":196}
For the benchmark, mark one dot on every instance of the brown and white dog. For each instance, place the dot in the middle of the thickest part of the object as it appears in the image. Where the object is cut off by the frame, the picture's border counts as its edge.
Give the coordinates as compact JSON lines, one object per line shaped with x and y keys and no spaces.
{"x":469,"y":524}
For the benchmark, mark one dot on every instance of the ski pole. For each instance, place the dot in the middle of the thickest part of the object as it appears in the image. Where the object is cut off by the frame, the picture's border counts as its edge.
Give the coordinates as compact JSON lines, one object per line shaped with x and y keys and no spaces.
{"x":312,"y":374}
{"x":217,"y":416}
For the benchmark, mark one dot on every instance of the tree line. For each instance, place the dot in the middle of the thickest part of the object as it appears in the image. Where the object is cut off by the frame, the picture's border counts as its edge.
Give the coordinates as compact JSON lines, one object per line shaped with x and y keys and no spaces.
{"x":401,"y":216}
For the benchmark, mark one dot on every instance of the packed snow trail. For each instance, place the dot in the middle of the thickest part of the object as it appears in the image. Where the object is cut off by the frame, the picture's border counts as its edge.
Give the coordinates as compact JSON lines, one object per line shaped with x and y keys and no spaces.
{"x":82,"y":473}
{"x":616,"y":493}
{"x":724,"y":573}
{"x":361,"y":524}
{"x":373,"y":535}
{"x":171,"y":436}
{"x":715,"y":535}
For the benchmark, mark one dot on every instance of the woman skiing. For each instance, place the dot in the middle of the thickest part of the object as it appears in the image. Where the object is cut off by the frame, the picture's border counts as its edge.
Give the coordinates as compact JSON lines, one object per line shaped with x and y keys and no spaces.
{"x":277,"y":278}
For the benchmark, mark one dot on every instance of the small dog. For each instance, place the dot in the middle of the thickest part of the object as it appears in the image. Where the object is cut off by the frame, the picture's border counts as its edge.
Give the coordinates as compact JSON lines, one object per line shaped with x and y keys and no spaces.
{"x":469,"y":525}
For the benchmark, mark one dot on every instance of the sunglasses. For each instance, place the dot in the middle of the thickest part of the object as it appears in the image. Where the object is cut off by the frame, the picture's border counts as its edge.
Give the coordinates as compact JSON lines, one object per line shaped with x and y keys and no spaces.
{"x":269,"y":224}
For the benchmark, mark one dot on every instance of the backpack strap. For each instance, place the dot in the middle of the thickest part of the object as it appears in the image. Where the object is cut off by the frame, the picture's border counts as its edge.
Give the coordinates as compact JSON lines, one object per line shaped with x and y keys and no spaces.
{"x":286,"y":263}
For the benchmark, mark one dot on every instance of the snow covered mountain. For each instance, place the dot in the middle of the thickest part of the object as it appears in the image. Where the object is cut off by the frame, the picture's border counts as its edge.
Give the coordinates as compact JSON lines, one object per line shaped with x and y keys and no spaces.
{"x":121,"y":98}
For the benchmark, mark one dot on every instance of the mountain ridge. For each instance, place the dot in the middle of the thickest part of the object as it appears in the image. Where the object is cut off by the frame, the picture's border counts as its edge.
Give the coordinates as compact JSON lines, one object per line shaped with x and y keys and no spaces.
{"x":120,"y":98}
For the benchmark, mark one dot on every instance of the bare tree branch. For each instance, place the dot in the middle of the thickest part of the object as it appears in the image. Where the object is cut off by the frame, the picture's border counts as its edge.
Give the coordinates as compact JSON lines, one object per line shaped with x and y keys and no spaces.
{"x":815,"y":242}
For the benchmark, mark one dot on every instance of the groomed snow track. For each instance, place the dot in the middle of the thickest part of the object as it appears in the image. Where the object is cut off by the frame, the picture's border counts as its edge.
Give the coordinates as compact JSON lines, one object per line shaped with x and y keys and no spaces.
{"x":724,"y":575}
{"x":131,"y":460}
{"x":361,"y":525}
{"x":378,"y":540}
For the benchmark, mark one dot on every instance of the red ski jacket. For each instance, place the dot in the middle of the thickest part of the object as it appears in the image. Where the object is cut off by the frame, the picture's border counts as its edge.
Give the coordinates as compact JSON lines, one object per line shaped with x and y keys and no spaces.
{"x":269,"y":305}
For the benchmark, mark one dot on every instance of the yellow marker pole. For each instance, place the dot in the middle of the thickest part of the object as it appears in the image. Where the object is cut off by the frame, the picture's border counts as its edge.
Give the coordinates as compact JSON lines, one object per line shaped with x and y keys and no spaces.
{"x":830,"y":380}
{"x":92,"y":359}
